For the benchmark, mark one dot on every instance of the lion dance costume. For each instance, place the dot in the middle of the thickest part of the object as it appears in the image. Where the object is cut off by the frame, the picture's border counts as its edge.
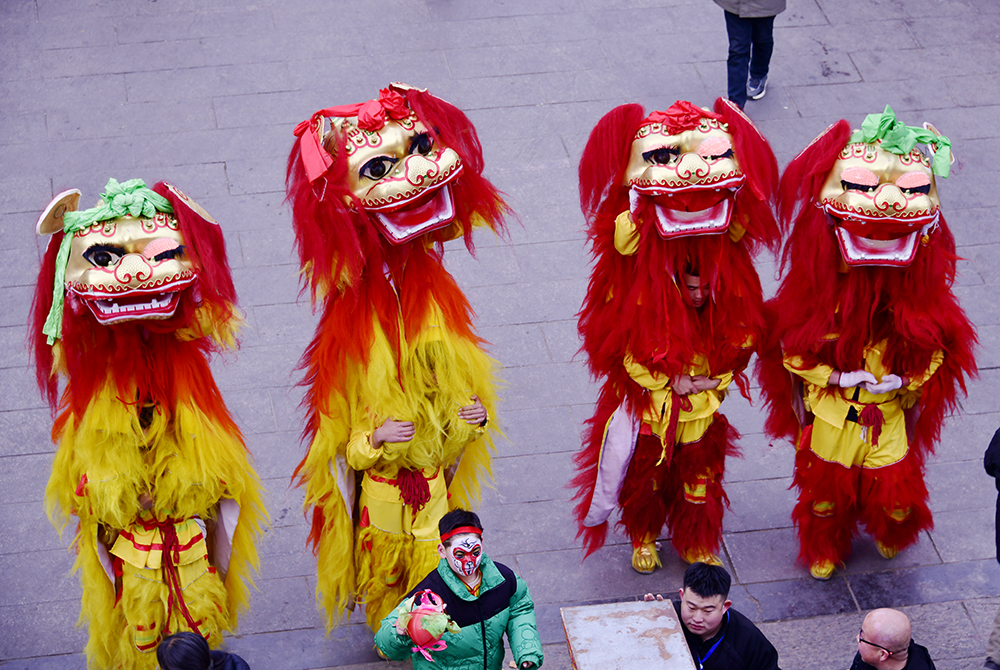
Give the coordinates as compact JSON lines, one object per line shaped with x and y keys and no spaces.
{"x":149,"y":458}
{"x":869,"y":346}
{"x":681,"y":193}
{"x":374,"y":194}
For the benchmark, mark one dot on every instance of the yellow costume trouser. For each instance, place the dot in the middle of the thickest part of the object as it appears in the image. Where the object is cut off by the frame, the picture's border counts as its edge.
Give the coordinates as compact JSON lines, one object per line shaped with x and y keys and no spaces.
{"x":396,"y":544}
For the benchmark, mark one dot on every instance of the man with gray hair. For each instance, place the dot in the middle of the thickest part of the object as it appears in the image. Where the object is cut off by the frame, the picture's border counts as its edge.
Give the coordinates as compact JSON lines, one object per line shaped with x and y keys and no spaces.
{"x":884,"y":643}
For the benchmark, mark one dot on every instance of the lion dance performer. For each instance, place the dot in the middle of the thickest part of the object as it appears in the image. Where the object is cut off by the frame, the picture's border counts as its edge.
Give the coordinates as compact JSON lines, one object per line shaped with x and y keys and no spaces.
{"x":867,"y":325}
{"x":399,"y":388}
{"x":678,"y":203}
{"x":132,"y":296}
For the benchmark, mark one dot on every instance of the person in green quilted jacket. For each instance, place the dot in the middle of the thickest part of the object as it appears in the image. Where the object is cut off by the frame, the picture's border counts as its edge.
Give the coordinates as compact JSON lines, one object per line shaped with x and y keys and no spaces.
{"x":485,"y":600}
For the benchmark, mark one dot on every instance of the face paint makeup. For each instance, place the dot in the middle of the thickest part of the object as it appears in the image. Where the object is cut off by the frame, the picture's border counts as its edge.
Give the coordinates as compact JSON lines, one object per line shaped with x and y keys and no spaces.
{"x":465,"y":553}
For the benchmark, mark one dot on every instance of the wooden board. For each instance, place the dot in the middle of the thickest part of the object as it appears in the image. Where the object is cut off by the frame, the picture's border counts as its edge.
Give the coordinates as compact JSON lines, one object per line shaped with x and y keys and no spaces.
{"x":626,"y":636}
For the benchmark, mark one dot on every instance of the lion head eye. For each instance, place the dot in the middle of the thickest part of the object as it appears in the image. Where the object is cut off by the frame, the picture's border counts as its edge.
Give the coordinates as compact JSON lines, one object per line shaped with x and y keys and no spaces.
{"x":421,"y":143}
{"x":914,"y":182}
{"x":859,"y":179}
{"x":377,"y":167}
{"x":715,"y":148}
{"x":104,"y":255}
{"x":662,"y":156}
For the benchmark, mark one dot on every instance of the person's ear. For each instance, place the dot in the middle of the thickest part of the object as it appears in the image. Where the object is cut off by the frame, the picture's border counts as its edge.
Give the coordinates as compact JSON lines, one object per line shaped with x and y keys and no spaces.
{"x":680,"y":592}
{"x":441,"y":551}
{"x":726,"y":605}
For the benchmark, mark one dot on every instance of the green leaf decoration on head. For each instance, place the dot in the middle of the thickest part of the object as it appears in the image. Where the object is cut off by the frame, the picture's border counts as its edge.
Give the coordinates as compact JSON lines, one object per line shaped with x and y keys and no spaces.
{"x":898,"y":138}
{"x":133,"y":198}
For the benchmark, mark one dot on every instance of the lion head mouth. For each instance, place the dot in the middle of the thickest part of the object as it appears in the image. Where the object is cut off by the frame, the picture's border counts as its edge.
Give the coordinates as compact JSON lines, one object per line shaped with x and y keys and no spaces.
{"x":422,"y":215}
{"x":684,"y":213}
{"x":862,"y":243}
{"x":156,"y":300}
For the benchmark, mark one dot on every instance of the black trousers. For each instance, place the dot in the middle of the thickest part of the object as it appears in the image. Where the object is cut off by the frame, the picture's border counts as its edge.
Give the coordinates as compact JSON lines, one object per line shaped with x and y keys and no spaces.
{"x":751,"y":42}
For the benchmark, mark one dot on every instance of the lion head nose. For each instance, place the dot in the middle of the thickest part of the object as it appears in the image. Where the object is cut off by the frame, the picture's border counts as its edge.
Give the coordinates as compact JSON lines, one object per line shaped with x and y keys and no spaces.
{"x":420,"y":168}
{"x":888,"y":196}
{"x":132,"y":270}
{"x":692,"y":167}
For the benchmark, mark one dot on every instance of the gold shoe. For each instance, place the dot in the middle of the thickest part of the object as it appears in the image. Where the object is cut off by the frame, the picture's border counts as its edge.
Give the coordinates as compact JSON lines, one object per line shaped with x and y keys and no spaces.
{"x":700,"y":556}
{"x":645,"y":559}
{"x":822,"y":569}
{"x":886,"y":551}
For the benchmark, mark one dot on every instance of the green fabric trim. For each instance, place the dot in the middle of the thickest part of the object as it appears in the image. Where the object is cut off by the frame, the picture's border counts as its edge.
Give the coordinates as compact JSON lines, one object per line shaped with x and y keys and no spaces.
{"x":133,"y":198}
{"x":899,"y":138}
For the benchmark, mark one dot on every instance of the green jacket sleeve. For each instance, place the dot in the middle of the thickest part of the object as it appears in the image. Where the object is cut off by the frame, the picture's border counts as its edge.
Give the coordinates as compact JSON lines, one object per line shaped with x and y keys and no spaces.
{"x":522,"y":633}
{"x":396,"y":647}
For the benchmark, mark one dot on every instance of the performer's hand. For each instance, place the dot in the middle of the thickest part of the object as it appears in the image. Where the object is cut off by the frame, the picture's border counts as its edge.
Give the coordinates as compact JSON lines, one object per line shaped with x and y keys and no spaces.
{"x":145,"y":501}
{"x":684,"y":385}
{"x":888,"y":383}
{"x":473,"y":414}
{"x":527,"y":665}
{"x":703,"y":383}
{"x":393,"y":431}
{"x":853,"y":378}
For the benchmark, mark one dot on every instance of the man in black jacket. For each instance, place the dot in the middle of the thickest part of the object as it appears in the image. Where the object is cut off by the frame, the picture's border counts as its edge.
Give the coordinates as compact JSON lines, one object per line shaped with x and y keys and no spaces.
{"x":884,"y":643}
{"x":991,"y":461}
{"x":720,"y":638}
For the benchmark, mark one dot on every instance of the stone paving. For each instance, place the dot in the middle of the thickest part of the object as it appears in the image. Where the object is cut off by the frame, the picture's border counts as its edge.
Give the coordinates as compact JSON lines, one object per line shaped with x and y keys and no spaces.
{"x":207,"y":94}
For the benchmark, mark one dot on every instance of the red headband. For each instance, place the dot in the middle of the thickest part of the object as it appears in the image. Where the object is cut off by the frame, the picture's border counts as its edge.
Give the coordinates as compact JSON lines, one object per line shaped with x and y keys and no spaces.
{"x":460,"y":530}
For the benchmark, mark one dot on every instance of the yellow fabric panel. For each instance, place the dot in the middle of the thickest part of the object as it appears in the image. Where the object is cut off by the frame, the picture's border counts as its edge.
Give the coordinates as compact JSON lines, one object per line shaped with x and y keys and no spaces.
{"x":387,"y":512}
{"x":703,"y":405}
{"x":846,"y":446}
{"x":143,"y":548}
{"x":834,"y":404}
{"x":626,"y":235}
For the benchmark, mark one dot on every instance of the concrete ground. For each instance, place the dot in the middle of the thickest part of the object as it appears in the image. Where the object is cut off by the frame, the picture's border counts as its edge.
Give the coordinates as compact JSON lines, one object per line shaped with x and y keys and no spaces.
{"x":206,"y":94}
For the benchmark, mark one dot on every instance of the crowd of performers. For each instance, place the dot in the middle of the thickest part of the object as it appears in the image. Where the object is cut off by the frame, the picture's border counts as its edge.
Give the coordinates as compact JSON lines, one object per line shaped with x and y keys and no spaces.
{"x":860,"y":355}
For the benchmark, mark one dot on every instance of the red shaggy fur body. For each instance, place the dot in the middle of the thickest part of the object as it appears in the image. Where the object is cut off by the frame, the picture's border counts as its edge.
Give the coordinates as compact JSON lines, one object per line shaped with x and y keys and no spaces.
{"x":632,"y":303}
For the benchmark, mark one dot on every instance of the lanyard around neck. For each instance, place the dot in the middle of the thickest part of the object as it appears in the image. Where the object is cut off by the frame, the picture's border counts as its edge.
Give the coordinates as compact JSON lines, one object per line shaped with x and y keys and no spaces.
{"x":701,"y":661}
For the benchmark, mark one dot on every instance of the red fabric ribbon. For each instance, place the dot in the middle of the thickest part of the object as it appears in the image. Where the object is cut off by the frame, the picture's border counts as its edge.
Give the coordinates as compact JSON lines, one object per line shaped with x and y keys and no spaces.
{"x":871,"y":416}
{"x":372,"y":115}
{"x":437,"y":646}
{"x":171,"y":577}
{"x":680,"y":116}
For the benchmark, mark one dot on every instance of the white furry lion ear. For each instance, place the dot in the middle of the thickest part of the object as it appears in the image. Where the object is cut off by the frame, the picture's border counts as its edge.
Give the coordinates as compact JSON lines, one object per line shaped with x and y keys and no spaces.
{"x":930,"y":126}
{"x":51,"y":219}
{"x":191,"y":204}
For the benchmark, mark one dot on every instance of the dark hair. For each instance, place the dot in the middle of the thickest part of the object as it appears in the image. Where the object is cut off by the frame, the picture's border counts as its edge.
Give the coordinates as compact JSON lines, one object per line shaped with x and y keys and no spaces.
{"x":184,"y":651}
{"x":456,"y":519}
{"x":707,"y":580}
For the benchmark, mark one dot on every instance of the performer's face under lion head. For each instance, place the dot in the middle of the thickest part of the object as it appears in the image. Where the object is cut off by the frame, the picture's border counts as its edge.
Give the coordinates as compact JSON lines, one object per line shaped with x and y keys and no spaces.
{"x":880,"y":203}
{"x":684,"y":161}
{"x":401,"y":173}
